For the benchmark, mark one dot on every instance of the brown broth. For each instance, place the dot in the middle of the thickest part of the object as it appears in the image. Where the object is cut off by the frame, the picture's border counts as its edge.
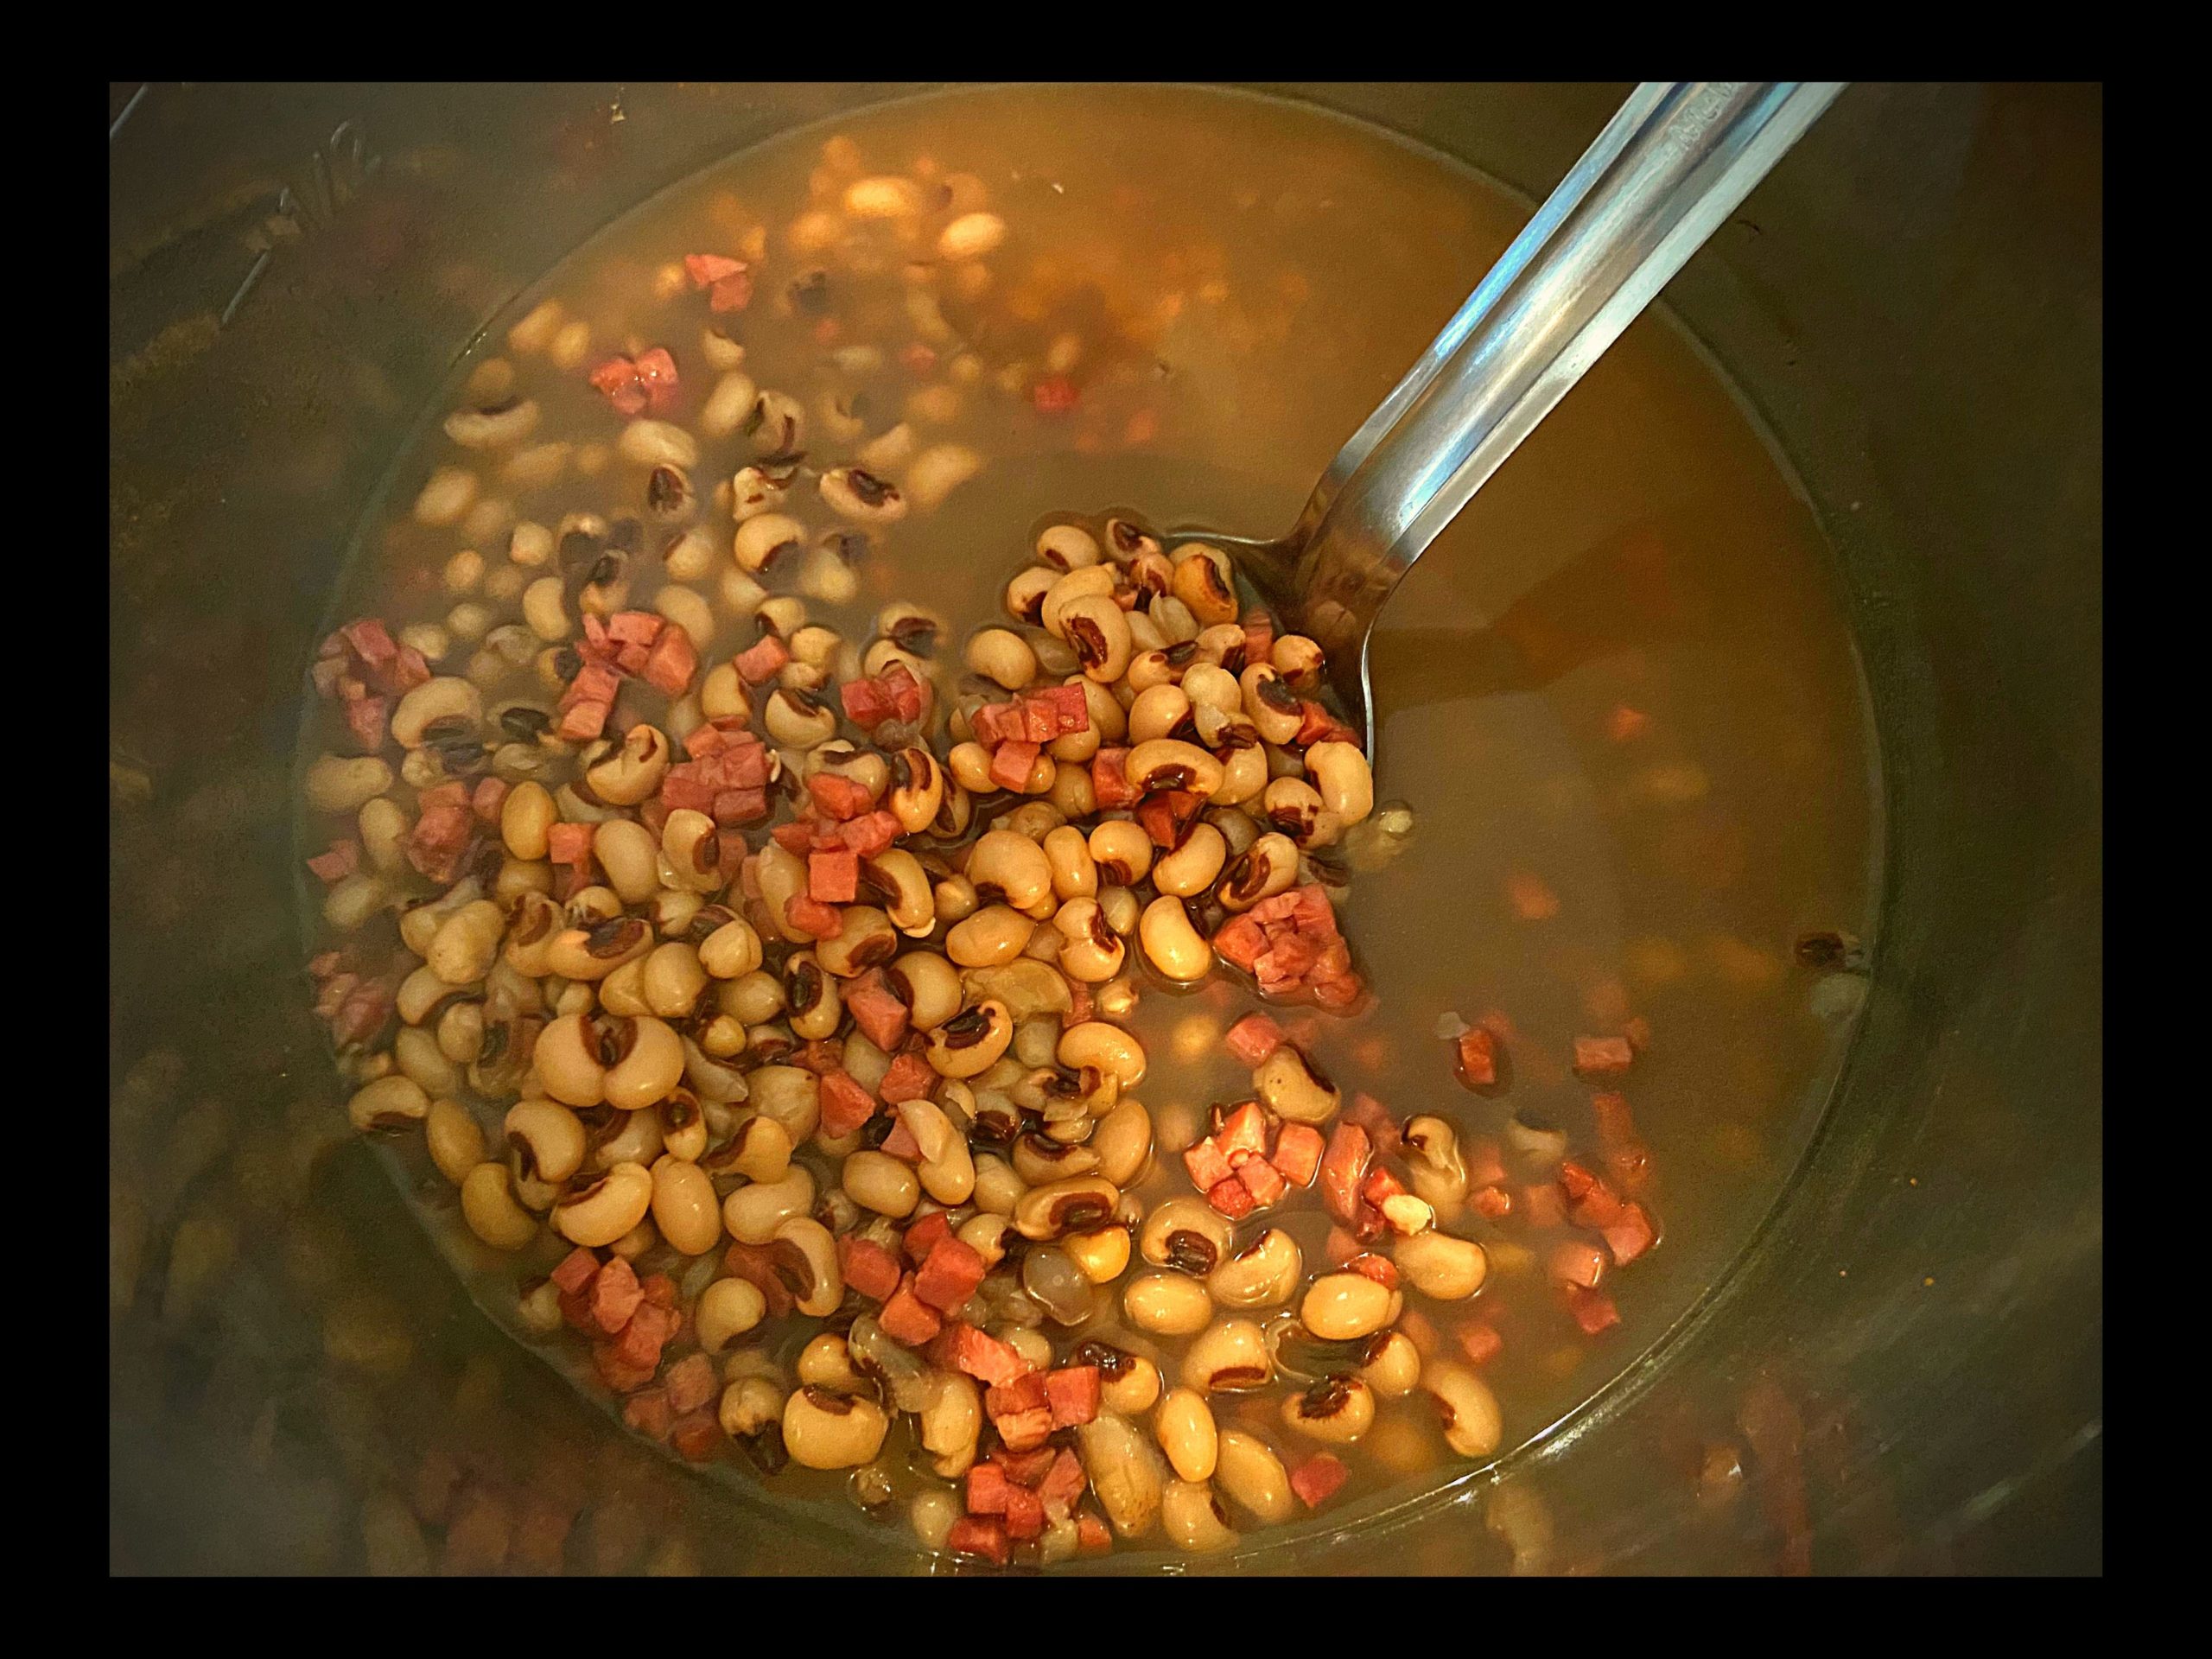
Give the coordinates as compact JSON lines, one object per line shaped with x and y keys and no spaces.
{"x":1245,"y":279}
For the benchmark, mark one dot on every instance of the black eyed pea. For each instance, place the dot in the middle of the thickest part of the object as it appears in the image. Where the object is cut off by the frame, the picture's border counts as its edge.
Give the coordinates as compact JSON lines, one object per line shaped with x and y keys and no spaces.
{"x":1184,"y":1425}
{"x":606,"y":1209}
{"x":1466,"y":1406}
{"x":1145,"y":634}
{"x":806,"y":1256}
{"x":1072,"y":791}
{"x":658,"y":444}
{"x":1441,"y":1265}
{"x":722,"y":695}
{"x":1299,"y":660}
{"x":1157,"y":710}
{"x":749,"y":1404}
{"x":1060,"y":1207}
{"x":877,"y":1181}
{"x":1002,"y":656}
{"x":626,"y":774}
{"x":994,"y":934}
{"x":1066,"y":547}
{"x":1250,"y":1476}
{"x":1007,"y":866}
{"x":1343,"y":1306}
{"x":383,"y":829}
{"x":865,"y":939}
{"x":1294,"y":807}
{"x":1205,"y":580}
{"x":949,"y":1178}
{"x":759,"y":1149}
{"x":683,"y":1129}
{"x":1174,"y":619}
{"x":931,"y":1512}
{"x":545,"y":609}
{"x":1027,"y":988}
{"x":337,"y":784}
{"x":1025,"y":595}
{"x":1209,"y":685}
{"x":1100,"y":1255}
{"x":1109,"y":1047}
{"x":1121,"y":851}
{"x":388,"y":1104}
{"x":1336,"y":1410}
{"x":824,"y":1429}
{"x":1237,"y":830}
{"x":1098,"y":631}
{"x":419,"y":1057}
{"x":728,"y":1309}
{"x":790,"y":1095}
{"x":1166,"y":1305}
{"x":1093,"y":582}
{"x":439,"y":699}
{"x":1170,"y":763}
{"x":928,"y":985}
{"x":796,"y":719}
{"x":1228,"y":1357}
{"x":753,"y":998}
{"x":1265,"y":868}
{"x":1190,"y":868}
{"x":466,"y":942}
{"x":526,"y":820}
{"x":732,"y":951}
{"x":1171,"y":944}
{"x":1293,"y":1087}
{"x":547,"y":1139}
{"x":859,"y":495}
{"x":632,"y":1137}
{"x":651,"y":1064}
{"x":1122,"y":1141}
{"x":684,"y":1207}
{"x":454,"y":1139}
{"x":420,"y":995}
{"x":1089,"y":950}
{"x":1243,"y":775}
{"x":953,"y":815}
{"x":566,"y":1062}
{"x":1125,"y":1472}
{"x":1340,"y":772}
{"x":952,"y":1419}
{"x":782,"y":875}
{"x":916,"y":789}
{"x":1276,"y":711}
{"x":488,"y":1204}
{"x":1187,"y":1234}
{"x":999,"y":1188}
{"x":671,"y":979}
{"x":1390,"y":1364}
{"x":1264,"y":1274}
{"x":971,"y":1043}
{"x":985,"y":1234}
{"x":631,"y":856}
{"x":753,"y":1213}
{"x":826,"y":1362}
{"x":1193,"y":1519}
{"x":897,"y":877}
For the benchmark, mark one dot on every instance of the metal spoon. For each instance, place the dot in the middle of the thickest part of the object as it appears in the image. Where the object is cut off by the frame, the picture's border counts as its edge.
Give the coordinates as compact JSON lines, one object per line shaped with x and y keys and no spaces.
{"x":1676,"y":160}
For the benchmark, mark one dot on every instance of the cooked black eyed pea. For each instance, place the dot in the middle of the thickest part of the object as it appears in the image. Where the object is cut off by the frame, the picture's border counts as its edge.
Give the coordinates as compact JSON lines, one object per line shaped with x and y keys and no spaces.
{"x":1441,"y":1266}
{"x":1209,"y":685}
{"x":1228,"y":1357}
{"x":1244,"y":773}
{"x":1337,"y":1410}
{"x":782,"y":875}
{"x":1265,"y":868}
{"x":953,"y":815}
{"x":722,"y":695}
{"x":1146,"y":669}
{"x":763,"y":537}
{"x":1157,"y":712}
{"x":650,"y":1065}
{"x":1299,"y":660}
{"x":955,"y":900}
{"x":671,"y":979}
{"x":466,"y":942}
{"x":629,"y":774}
{"x":1340,"y":772}
{"x":1100,"y":1254}
{"x":683,"y":1125}
{"x":1089,"y":950}
{"x":1072,"y":791}
{"x":1025,"y":595}
{"x":1094,"y":582}
{"x":1167,"y":1304}
{"x":585,"y":953}
{"x":951,"y":1421}
{"x":1275,"y":711}
{"x":488,"y":1204}
{"x":861,"y":496}
{"x":877,"y":1181}
{"x":824,"y":1429}
{"x":928,"y":985}
{"x":1066,"y":547}
{"x":630,"y":1138}
{"x":1108,"y":1048}
{"x":1250,"y":1476}
{"x":1122,"y":1141}
{"x":1187,"y":1234}
{"x":454,"y":1139}
{"x":1010,"y":867}
{"x":797,"y":720}
{"x":1002,"y":656}
{"x":753,"y":998}
{"x":1294,"y":807}
{"x":970,"y":766}
{"x":420,"y":995}
{"x":419,"y":1057}
{"x":865,"y":939}
{"x":1121,"y":851}
{"x":1151,"y":574}
{"x":816,"y":1004}
{"x":1126,"y":1473}
{"x":916,"y":789}
{"x":567,"y":1063}
{"x":609,"y":1207}
{"x":1038,"y":1158}
{"x":994,"y":934}
{"x":1440,"y":1172}
{"x":1466,"y":1406}
{"x":1028,"y":987}
{"x":826,"y":1362}
{"x":1390,"y":1364}
{"x":728,"y":1309}
{"x":389,"y":1102}
{"x":731,"y":951}
{"x":547,"y":1138}
{"x":690,"y":852}
{"x":684,"y":1207}
{"x":1293,"y":1087}
{"x":761,"y":1150}
{"x":436,"y":701}
{"x":1099,"y":632}
{"x":526,"y":819}
{"x":1170,"y":763}
{"x":1190,"y":868}
{"x":1184,"y":1425}
{"x":749,"y":1404}
{"x":1341,"y":1306}
{"x":971,"y":1043}
{"x":806,"y":1260}
{"x":1053,"y":1281}
{"x":985,"y":1233}
{"x":1193,"y":1519}
{"x":1204,"y":581}
{"x":1064,"y":1206}
{"x":1264,"y":1274}
{"x":623,"y":991}
{"x":1171,"y":944}
{"x":897,"y":877}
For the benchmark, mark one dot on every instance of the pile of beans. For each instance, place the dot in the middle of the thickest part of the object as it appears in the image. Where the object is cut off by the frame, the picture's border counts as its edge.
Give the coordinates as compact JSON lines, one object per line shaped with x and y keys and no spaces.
{"x":768,"y":1002}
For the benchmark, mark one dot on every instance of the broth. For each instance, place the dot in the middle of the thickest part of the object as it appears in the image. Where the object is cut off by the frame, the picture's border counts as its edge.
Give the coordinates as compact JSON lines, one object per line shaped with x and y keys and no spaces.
{"x":1617,"y":696}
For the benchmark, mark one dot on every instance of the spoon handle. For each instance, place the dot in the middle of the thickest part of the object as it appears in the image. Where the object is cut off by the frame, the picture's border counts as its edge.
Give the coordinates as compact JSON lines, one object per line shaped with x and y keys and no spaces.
{"x":1671,"y":165}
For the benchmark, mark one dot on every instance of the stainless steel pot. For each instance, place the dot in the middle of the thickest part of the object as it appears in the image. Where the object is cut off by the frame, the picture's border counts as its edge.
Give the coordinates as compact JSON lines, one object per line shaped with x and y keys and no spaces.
{"x":1914,"y":303}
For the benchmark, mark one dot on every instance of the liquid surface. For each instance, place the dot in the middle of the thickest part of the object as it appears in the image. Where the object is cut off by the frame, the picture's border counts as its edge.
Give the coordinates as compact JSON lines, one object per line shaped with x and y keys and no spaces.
{"x":1616,"y":693}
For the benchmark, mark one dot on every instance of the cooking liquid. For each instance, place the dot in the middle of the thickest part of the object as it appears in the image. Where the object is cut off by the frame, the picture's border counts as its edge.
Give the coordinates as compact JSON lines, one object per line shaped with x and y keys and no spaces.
{"x":1242,"y":281}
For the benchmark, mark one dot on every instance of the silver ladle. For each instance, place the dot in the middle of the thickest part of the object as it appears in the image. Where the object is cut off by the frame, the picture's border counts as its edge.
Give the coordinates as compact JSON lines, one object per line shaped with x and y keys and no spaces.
{"x":1676,"y":160}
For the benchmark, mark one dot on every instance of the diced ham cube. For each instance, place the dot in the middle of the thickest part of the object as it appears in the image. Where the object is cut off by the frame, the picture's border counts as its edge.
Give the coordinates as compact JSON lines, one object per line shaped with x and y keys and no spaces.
{"x":870,"y":833}
{"x":1297,"y":1153}
{"x":812,"y":915}
{"x":576,"y":1269}
{"x":691,"y":1382}
{"x":1208,"y":1166}
{"x":440,"y":839}
{"x":1315,"y":1480}
{"x":1602,"y":1056}
{"x":982,"y":1356}
{"x":1109,"y":784}
{"x":1252,"y":1039}
{"x":671,"y":663}
{"x":1072,"y":1392}
{"x":1262,"y":1179}
{"x":1630,"y":1235}
{"x":834,"y":878}
{"x":1070,"y":707}
{"x":911,"y":1078}
{"x":735,"y":806}
{"x":1064,"y":1481}
{"x":901,"y":1143}
{"x":367,"y":719}
{"x":1542,"y":1204}
{"x":698,"y":1435}
{"x":1025,"y":1393}
{"x":867,"y":1266}
{"x":1245,"y":1130}
{"x":1092,"y":1535}
{"x":840,"y":798}
{"x":1231,"y":1198}
{"x":876,"y":1010}
{"x":762,"y":661}
{"x":1025,"y":1431}
{"x":905,"y":1317}
{"x":908,"y":694}
{"x":649,"y":1414}
{"x":1576,"y":1263}
{"x":1343,"y":1167}
{"x":615,"y":1295}
{"x":732,"y":293}
{"x":647,"y":1332}
{"x":950,"y":1276}
{"x":1592,"y":1309}
{"x":705,"y":269}
{"x":1475,"y":1058}
{"x":1240,"y":941}
{"x":656,"y":372}
{"x":1480,"y":1341}
{"x":921,"y":1236}
{"x":340,"y":860}
{"x":978,"y":1535}
{"x":1011,"y":763}
{"x":582,"y":722}
{"x":845,"y":1104}
{"x":986,"y":1489}
{"x":1025,"y":1513}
